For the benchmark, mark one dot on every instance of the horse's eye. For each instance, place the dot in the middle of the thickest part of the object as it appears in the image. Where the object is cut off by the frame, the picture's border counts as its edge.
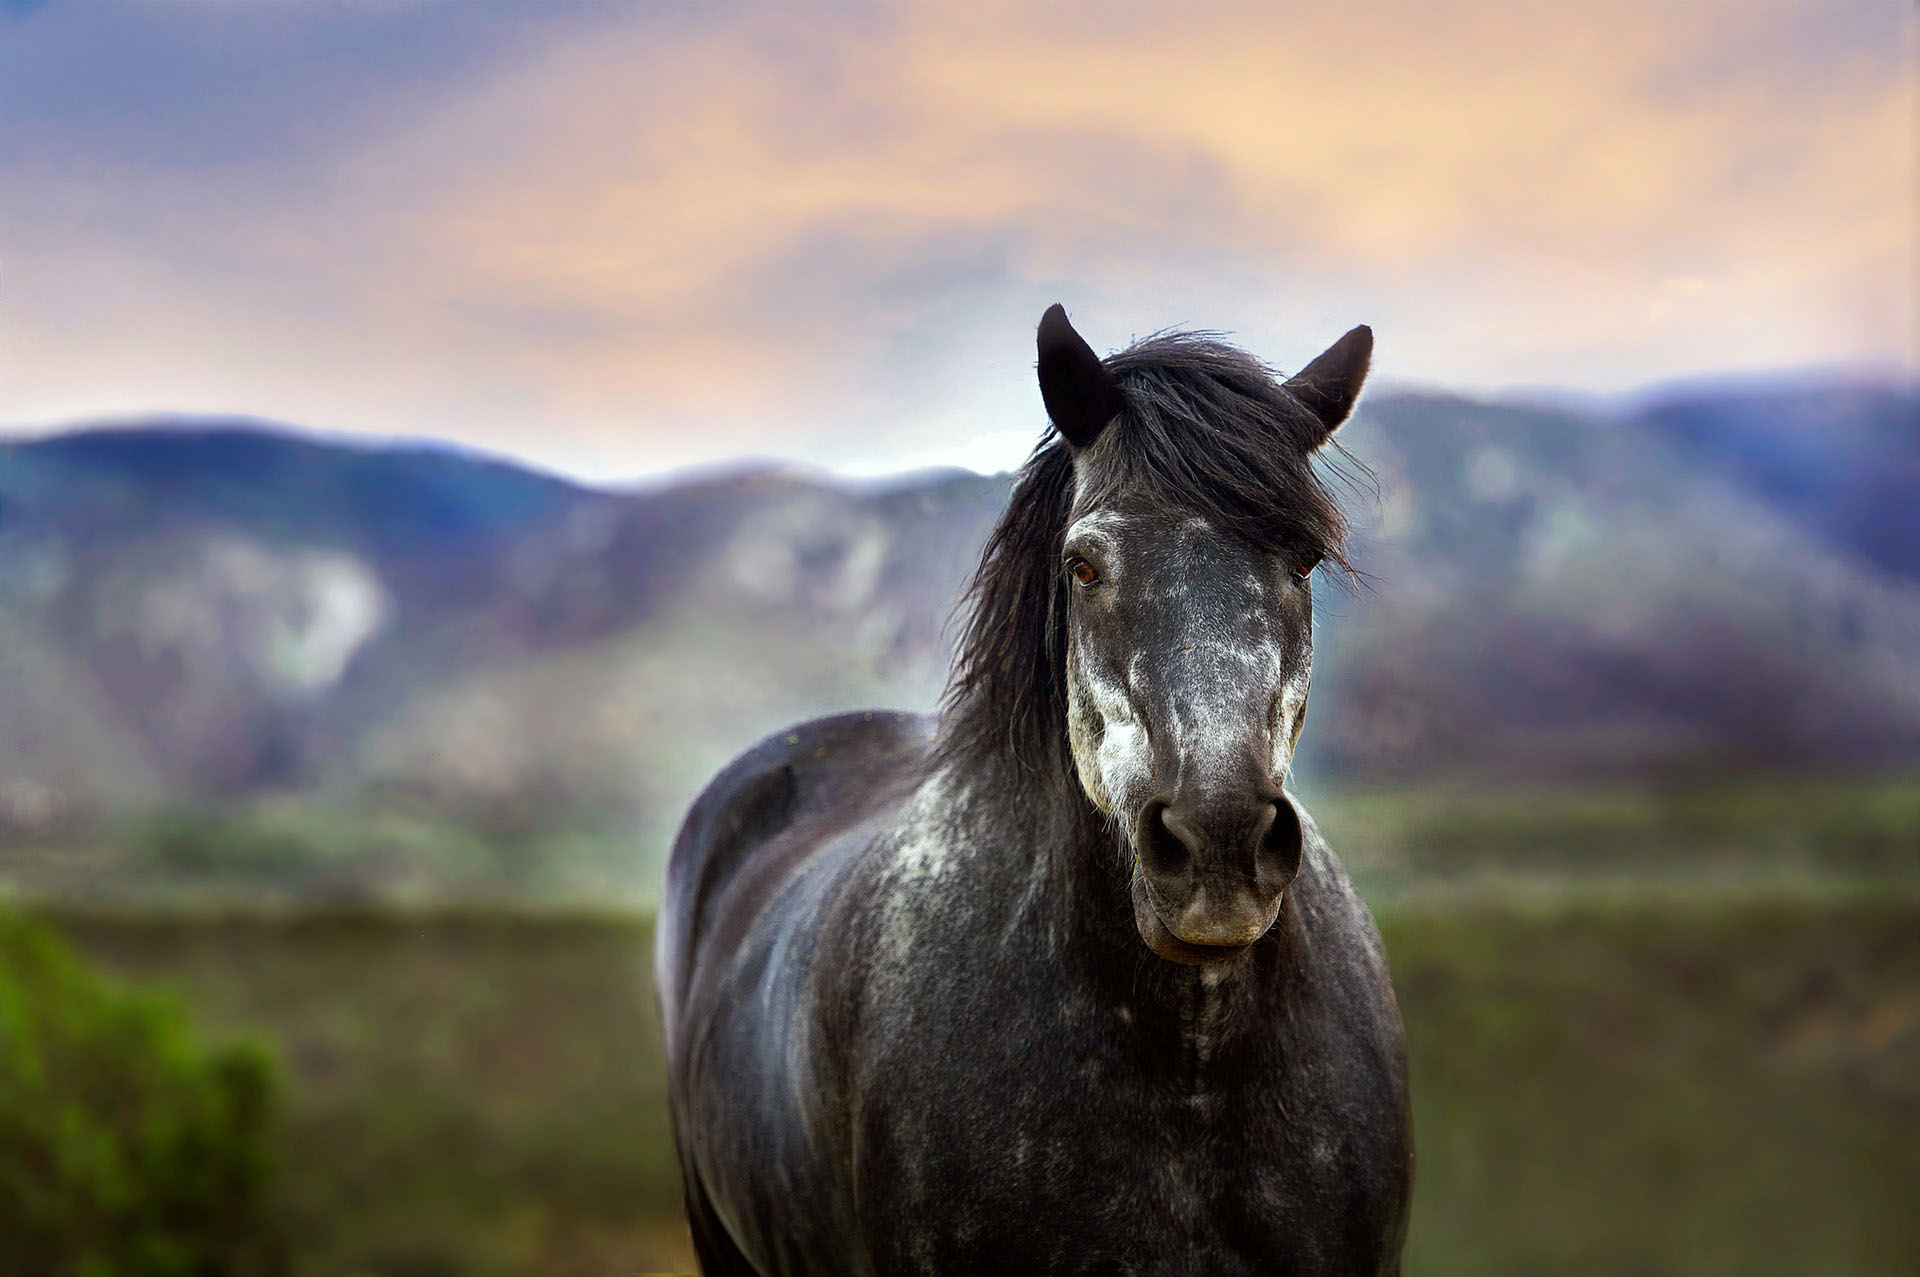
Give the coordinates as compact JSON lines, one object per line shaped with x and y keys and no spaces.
{"x":1304,"y":568}
{"x":1082,"y":571}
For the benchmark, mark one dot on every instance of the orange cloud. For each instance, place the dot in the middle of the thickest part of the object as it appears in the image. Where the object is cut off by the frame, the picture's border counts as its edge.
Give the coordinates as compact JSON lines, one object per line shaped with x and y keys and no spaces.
{"x":769,"y":229}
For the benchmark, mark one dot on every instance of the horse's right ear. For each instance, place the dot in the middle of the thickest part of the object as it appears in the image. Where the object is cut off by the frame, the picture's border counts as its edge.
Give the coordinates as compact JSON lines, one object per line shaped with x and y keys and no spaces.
{"x":1080,"y":394}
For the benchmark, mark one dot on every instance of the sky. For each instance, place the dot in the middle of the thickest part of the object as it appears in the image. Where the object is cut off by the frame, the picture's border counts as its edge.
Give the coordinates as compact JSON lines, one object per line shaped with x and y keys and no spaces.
{"x":620,"y":239}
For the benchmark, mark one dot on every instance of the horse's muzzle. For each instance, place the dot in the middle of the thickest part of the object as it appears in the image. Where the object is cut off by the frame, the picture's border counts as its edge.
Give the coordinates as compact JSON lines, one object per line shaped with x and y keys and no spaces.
{"x":1211,"y":878}
{"x":1160,"y":938}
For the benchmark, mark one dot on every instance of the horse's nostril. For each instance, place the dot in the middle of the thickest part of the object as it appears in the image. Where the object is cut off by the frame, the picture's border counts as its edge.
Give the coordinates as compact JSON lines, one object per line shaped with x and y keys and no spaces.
{"x":1281,"y":845}
{"x":1163,"y":851}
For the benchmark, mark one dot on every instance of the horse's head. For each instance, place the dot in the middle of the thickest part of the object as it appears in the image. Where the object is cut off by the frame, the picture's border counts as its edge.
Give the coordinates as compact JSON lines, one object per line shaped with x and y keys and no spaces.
{"x":1193,"y":527}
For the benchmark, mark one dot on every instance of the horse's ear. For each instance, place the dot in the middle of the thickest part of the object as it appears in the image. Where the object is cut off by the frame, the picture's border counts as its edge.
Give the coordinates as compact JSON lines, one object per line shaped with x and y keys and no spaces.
{"x":1080,"y":394}
{"x":1331,"y":383}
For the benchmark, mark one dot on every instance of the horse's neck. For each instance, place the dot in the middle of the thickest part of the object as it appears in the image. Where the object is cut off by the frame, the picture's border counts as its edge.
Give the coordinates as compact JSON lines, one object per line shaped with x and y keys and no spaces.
{"x":1087,"y":884}
{"x":1068,"y":888}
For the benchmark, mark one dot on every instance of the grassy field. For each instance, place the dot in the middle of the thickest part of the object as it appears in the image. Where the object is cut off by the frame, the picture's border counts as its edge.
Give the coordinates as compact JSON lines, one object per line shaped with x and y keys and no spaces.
{"x":1400,"y":843}
{"x":471,"y":1093}
{"x":1419,"y":844}
{"x":1665,"y":1085}
{"x":1614,"y":1082}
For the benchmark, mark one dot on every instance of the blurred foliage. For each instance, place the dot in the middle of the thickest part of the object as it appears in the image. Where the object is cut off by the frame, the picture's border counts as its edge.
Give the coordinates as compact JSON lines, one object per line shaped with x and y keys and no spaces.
{"x":477,"y":1092}
{"x":127,"y":1148}
{"x":1664,"y":1082}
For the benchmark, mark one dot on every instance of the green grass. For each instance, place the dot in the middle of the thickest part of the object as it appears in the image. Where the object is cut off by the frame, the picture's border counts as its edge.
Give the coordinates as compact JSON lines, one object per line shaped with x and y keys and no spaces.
{"x":1401,"y":844}
{"x":1664,"y":1083}
{"x":1406,"y":843}
{"x":292,"y":851}
{"x":1665,"y":1086}
{"x":472,"y":1093}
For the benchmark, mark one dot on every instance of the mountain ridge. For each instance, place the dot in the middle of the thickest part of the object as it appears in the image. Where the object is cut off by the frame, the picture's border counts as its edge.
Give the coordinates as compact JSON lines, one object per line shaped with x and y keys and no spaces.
{"x":224,"y":613}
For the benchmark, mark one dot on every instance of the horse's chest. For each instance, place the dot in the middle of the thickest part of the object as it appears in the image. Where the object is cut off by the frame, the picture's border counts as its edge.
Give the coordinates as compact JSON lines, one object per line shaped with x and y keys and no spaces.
{"x":1068,"y":1155}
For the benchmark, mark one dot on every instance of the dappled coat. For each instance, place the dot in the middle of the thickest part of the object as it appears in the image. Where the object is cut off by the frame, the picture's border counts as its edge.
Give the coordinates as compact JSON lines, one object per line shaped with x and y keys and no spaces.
{"x":1062,"y":981}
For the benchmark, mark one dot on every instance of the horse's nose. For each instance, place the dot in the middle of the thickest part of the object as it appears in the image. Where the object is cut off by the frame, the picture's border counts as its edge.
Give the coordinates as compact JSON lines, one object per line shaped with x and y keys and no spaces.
{"x":1219,"y":863}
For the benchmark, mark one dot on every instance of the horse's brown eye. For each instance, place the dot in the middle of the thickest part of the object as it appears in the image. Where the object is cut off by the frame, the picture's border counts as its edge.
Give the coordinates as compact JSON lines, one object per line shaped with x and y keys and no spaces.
{"x":1304,"y":568}
{"x":1082,"y":571}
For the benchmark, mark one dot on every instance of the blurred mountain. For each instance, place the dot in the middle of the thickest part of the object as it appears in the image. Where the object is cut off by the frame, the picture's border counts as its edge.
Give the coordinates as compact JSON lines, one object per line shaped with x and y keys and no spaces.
{"x":198,"y":594}
{"x":219,"y":612}
{"x":1570,"y":596}
{"x":1840,"y":459}
{"x":222,"y":611}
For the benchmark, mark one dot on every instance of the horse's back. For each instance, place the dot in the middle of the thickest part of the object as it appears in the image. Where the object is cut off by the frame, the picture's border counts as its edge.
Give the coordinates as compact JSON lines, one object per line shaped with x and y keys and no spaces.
{"x":757,"y":819}
{"x":769,"y":821}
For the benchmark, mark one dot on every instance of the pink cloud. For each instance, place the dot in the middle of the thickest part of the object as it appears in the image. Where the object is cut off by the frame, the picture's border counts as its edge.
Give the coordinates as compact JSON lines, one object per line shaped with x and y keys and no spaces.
{"x":643,"y":244}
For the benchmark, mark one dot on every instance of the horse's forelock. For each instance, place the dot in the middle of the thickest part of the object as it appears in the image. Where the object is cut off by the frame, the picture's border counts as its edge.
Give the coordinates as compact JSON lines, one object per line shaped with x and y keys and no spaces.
{"x":1211,"y":431}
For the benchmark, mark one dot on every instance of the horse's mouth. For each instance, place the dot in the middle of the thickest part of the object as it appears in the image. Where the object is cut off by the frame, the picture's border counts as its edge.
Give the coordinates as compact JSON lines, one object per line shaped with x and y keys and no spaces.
{"x":1160,"y":938}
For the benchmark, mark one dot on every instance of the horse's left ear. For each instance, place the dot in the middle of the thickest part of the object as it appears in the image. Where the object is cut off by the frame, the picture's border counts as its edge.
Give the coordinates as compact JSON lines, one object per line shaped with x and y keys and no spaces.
{"x":1331,"y":383}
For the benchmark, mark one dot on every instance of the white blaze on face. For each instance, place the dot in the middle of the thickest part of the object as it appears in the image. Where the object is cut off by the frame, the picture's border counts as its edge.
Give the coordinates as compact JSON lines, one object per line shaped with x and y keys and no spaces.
{"x":1233,"y":692}
{"x":1110,"y":745}
{"x":1226,"y":707}
{"x":1208,"y":731}
{"x":1292,"y":717}
{"x":1111,"y":749}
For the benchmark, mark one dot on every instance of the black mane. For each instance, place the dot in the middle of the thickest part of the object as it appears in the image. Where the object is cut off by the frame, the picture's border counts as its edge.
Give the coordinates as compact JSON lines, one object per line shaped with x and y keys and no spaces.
{"x":1206,"y":429}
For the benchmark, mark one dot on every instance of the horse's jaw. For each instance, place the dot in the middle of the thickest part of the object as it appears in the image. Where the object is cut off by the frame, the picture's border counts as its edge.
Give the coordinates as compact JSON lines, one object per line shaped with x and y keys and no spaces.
{"x":1159,"y":937}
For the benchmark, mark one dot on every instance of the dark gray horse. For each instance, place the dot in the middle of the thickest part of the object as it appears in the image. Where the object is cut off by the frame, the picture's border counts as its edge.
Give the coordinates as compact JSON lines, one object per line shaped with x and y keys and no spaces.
{"x":1063,"y":982}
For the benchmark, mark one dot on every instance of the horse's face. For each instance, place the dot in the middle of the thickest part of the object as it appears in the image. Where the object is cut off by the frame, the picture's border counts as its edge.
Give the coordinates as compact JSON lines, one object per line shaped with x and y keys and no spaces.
{"x":1189,"y":654}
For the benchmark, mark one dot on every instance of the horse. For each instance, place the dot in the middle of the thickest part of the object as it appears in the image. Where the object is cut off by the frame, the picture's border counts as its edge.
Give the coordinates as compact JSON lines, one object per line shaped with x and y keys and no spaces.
{"x":1061,"y":980}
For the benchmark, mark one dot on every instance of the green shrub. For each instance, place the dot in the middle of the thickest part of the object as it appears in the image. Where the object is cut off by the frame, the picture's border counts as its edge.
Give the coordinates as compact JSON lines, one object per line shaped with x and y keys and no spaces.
{"x":126,"y":1147}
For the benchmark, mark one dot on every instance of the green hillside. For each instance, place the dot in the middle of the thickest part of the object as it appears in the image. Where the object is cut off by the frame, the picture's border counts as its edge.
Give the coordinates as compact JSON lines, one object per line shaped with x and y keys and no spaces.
{"x":1722,"y":1082}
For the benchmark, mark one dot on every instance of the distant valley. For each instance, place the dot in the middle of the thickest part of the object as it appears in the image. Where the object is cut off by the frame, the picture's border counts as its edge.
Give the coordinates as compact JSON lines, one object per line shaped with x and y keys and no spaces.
{"x":219,"y":615}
